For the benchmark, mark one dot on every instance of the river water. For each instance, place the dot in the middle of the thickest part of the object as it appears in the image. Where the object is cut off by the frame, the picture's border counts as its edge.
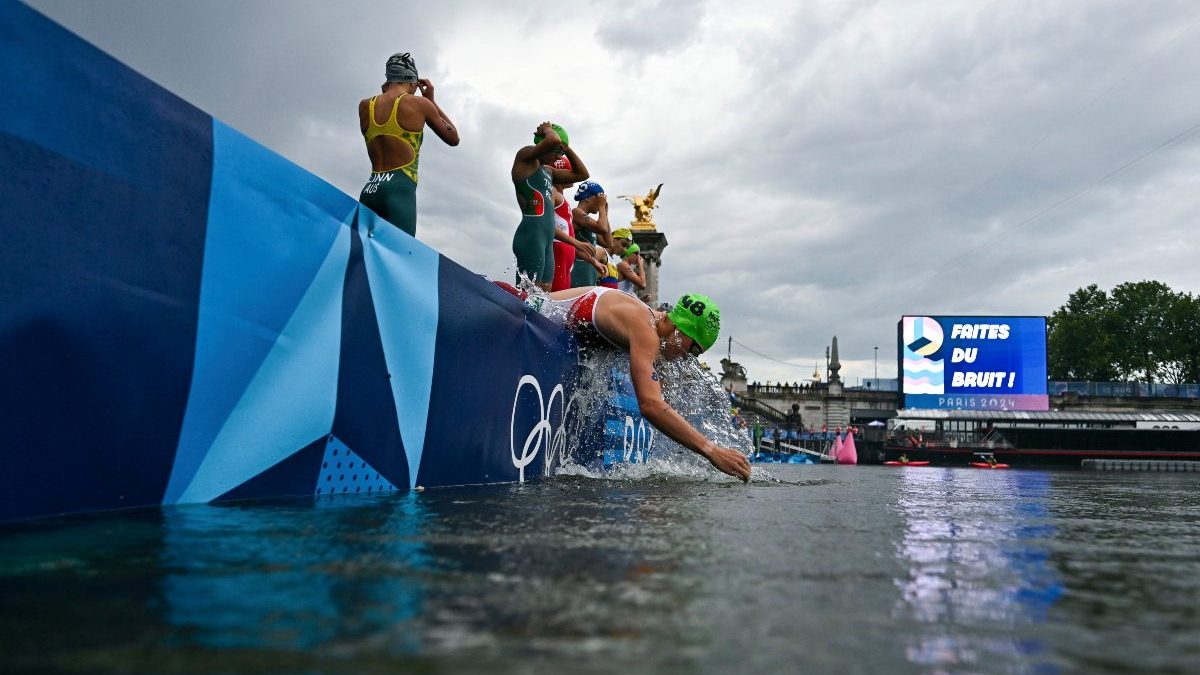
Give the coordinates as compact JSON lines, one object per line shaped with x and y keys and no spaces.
{"x":809,"y":568}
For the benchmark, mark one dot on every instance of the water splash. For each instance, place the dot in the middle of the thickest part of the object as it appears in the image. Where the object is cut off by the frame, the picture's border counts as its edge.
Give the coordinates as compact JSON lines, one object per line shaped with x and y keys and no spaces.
{"x":687,"y":387}
{"x":696,"y":394}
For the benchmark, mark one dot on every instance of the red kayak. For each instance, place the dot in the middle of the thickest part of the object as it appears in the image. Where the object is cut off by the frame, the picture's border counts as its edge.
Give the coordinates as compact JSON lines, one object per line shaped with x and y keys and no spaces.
{"x":985,"y":465}
{"x":914,"y":463}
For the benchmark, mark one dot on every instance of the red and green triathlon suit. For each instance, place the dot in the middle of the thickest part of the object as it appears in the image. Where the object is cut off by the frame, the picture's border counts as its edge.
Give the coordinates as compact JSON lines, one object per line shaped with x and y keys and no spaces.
{"x":533,"y":242}
{"x":564,"y":254}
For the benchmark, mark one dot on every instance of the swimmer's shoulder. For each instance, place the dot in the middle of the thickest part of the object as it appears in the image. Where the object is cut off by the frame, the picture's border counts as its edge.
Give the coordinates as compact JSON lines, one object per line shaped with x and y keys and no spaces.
{"x":414,"y":102}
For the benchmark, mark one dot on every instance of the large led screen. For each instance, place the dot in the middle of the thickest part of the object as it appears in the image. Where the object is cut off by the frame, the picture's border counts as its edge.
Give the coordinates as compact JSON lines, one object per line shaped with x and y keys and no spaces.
{"x":973,"y":362}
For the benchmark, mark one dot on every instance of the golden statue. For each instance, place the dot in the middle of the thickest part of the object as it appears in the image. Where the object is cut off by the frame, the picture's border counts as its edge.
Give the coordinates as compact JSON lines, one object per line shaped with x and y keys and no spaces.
{"x":642,"y":206}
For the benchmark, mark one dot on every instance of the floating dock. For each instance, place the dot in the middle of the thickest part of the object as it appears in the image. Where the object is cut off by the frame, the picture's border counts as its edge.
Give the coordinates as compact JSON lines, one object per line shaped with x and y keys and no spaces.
{"x":1180,"y":466}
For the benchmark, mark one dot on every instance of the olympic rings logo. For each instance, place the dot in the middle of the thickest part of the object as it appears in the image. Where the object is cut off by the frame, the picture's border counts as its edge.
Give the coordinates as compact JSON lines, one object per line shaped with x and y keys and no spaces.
{"x":543,"y":434}
{"x":636,"y":441}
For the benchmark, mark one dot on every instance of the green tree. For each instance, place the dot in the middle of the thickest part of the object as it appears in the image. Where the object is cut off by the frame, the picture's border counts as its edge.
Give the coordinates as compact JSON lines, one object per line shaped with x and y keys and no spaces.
{"x":1142,"y":330}
{"x":1182,"y":361}
{"x":1081,"y":338}
{"x":1143,"y":340}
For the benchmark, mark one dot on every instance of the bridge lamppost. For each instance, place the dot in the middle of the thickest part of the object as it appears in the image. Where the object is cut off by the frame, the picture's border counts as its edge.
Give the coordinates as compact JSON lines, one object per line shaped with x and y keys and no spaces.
{"x":876,"y":366}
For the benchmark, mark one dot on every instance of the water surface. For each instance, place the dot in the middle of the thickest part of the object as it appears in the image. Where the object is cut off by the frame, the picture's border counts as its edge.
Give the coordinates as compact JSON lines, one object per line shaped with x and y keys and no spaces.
{"x":828,"y":569}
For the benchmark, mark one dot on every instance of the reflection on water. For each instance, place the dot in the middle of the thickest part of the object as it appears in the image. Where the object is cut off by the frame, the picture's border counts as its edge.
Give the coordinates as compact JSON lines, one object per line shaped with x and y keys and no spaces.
{"x":974,"y":545}
{"x":828,"y":569}
{"x":247,"y":578}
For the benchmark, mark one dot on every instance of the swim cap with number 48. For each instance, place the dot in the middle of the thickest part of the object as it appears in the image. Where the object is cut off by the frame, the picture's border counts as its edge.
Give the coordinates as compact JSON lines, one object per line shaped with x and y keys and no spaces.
{"x":697,"y":317}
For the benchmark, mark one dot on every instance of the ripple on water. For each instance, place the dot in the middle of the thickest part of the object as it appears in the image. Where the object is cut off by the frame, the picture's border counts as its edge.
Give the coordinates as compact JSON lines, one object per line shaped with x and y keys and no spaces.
{"x":823,"y":569}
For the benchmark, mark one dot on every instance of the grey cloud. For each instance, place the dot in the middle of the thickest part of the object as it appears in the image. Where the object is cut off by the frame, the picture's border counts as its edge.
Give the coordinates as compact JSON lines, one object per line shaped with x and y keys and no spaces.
{"x":873,"y":142}
{"x":647,"y":27}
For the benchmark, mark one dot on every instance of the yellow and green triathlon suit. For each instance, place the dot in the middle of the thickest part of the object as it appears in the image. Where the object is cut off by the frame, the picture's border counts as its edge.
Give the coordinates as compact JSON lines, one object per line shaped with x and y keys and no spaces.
{"x":533,"y":244}
{"x":392,"y":194}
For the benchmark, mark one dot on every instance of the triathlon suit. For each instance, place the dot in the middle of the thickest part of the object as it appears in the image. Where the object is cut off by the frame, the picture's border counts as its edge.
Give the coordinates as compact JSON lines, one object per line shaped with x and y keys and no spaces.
{"x":577,"y":314}
{"x":392,"y":194}
{"x":582,"y":273}
{"x":533,"y":242}
{"x":612,"y":275}
{"x":564,"y":254}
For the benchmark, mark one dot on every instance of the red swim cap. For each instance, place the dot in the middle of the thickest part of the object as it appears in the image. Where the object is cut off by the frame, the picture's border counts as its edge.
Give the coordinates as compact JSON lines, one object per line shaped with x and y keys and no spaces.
{"x":518,"y":293}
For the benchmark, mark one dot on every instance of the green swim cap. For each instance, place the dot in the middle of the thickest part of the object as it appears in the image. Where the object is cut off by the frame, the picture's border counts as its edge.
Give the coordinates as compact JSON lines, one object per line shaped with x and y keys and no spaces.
{"x":562,"y":135}
{"x":633,"y":248}
{"x":697,"y":317}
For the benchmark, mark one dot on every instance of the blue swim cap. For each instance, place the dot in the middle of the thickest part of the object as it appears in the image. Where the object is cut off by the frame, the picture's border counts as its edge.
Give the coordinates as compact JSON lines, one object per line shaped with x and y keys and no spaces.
{"x":587,"y":189}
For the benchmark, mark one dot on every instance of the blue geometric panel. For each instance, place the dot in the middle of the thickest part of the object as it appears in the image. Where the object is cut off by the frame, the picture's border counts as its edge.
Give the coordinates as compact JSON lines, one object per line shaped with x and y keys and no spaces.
{"x":263,"y":253}
{"x":344,"y":472}
{"x":131,"y":126}
{"x":366,"y":417}
{"x":480,"y":413}
{"x":293,"y":477}
{"x":103,"y":216}
{"x":187,"y":317}
{"x":291,"y":398}
{"x":404,"y":279}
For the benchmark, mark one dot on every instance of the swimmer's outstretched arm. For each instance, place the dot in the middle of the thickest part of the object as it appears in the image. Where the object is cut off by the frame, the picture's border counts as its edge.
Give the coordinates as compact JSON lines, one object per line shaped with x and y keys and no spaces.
{"x":643,"y":346}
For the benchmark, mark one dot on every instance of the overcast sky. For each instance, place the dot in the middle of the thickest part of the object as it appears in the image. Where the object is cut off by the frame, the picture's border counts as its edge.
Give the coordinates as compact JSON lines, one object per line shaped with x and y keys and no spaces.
{"x":828,"y":166}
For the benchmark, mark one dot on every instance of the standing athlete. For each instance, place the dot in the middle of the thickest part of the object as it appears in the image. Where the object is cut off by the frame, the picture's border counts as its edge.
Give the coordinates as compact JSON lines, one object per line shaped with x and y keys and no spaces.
{"x":622,"y":258}
{"x":567,"y":248}
{"x":393,"y":124}
{"x":590,"y":198}
{"x":601,"y":316}
{"x":533,"y":175}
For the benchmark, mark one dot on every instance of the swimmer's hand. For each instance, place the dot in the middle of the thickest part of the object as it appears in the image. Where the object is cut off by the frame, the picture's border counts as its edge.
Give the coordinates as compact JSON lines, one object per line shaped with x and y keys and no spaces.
{"x":728,"y":461}
{"x":426,"y":87}
{"x":544,"y":129}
